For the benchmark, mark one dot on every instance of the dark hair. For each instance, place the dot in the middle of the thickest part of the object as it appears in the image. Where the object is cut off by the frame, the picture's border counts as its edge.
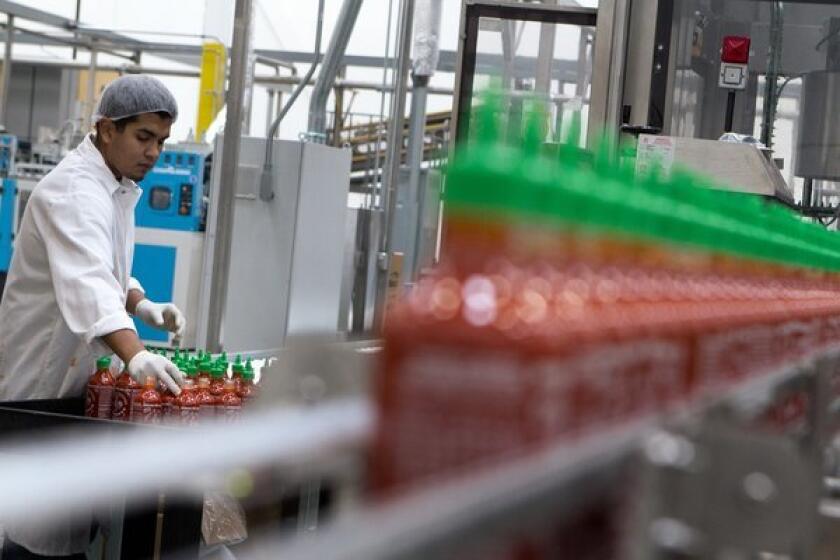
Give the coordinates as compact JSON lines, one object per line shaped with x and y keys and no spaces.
{"x":122,"y":123}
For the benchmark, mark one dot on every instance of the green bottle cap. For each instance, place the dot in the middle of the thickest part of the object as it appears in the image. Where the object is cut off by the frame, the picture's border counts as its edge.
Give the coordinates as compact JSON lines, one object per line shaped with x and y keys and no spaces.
{"x":217,"y":371}
{"x":103,"y":363}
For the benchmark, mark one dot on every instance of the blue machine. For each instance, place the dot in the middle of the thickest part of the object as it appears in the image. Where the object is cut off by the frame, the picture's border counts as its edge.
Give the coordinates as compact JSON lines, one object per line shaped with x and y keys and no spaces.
{"x":8,"y":196}
{"x":169,"y":237}
{"x":173,"y":192}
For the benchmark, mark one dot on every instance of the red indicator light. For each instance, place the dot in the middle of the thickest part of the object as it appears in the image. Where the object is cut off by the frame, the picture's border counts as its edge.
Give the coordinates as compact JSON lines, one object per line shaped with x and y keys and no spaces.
{"x":736,"y":50}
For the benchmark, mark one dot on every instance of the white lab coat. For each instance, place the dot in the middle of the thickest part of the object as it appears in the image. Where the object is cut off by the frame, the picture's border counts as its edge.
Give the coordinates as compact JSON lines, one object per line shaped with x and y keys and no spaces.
{"x":67,"y":286}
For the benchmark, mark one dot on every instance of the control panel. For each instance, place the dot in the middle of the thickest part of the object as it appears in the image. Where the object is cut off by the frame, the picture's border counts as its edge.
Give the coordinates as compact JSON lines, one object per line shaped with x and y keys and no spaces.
{"x":173,"y":191}
{"x":8,"y":151}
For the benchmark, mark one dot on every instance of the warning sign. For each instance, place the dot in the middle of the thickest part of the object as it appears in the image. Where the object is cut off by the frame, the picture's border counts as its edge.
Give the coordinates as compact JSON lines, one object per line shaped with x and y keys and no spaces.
{"x":655,"y":151}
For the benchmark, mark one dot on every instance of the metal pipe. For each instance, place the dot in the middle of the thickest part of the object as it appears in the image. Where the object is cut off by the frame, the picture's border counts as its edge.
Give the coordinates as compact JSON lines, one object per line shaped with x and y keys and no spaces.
{"x":364,"y":288}
{"x":278,"y":106}
{"x":416,"y":134}
{"x":7,"y":68}
{"x":426,"y":40}
{"x":70,"y":42}
{"x":91,"y":85}
{"x":268,"y":61}
{"x":392,"y":162}
{"x":730,"y":111}
{"x":608,"y":78}
{"x":426,"y":51}
{"x":121,"y":68}
{"x":330,"y":67}
{"x":807,"y":192}
{"x":350,"y":84}
{"x":545,"y":55}
{"x":269,"y":111}
{"x":76,"y":20}
{"x":265,"y":80}
{"x":267,"y":177}
{"x":229,"y":172}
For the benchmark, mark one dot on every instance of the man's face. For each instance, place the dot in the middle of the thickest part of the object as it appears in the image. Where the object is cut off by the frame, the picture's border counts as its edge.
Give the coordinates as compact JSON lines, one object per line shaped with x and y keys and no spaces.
{"x":133,"y":151}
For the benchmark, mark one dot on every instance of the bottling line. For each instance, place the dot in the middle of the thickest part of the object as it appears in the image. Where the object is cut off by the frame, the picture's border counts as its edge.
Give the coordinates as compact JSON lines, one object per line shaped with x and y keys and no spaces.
{"x":601,"y":323}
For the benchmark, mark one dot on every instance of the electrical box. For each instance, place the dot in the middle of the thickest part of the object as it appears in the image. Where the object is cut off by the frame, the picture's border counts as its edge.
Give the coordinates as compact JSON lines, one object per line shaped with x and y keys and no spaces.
{"x":285,"y":276}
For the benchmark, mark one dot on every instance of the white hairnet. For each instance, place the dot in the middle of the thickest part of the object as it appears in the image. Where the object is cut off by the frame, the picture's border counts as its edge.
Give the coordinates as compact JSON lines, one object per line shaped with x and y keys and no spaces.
{"x":135,"y":94}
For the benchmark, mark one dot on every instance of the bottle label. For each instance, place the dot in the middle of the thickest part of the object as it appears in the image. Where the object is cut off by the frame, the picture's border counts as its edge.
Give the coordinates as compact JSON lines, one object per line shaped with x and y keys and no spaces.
{"x":102,"y":397}
{"x":133,"y":393}
{"x":229,"y":414}
{"x":207,"y":412}
{"x":91,"y":402}
{"x":148,"y":413}
{"x":122,"y":404}
{"x":186,"y":415}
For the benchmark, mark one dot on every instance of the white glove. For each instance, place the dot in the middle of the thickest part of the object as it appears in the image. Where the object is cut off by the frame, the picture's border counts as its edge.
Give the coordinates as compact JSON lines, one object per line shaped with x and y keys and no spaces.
{"x":162,"y":316}
{"x":144,"y":364}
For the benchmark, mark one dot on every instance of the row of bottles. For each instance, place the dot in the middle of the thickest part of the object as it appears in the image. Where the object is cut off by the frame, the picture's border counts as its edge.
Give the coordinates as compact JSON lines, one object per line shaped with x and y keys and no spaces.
{"x":572,"y":297}
{"x":207,"y":393}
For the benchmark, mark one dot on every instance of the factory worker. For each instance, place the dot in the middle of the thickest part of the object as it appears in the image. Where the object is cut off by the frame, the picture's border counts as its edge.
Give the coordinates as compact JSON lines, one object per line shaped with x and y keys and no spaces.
{"x":69,"y":295}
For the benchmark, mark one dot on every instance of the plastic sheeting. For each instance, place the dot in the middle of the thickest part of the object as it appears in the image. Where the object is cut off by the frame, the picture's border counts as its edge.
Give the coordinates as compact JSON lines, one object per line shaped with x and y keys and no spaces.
{"x":427,"y":18}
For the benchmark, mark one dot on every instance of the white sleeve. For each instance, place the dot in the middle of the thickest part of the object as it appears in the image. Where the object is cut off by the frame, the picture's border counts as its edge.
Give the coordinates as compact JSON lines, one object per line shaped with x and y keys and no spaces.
{"x":134,"y":284}
{"x":76,"y":231}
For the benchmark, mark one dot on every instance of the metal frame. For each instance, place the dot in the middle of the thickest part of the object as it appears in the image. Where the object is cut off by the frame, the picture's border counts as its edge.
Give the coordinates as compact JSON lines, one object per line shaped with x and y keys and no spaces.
{"x":608,"y":67}
{"x":330,"y":69}
{"x":658,"y":95}
{"x":660,"y":70}
{"x":471,"y":12}
{"x":229,"y":170}
{"x":661,"y":75}
{"x":553,"y":483}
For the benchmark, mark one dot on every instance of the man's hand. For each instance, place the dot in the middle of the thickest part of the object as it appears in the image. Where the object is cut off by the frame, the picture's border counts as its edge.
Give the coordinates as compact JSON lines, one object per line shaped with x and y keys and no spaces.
{"x":162,"y":316}
{"x":145,"y":364}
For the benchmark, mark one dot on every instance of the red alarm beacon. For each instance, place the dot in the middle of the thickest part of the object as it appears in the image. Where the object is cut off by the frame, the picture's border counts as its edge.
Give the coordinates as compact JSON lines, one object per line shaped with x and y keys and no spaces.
{"x":736,"y":50}
{"x":734,"y":69}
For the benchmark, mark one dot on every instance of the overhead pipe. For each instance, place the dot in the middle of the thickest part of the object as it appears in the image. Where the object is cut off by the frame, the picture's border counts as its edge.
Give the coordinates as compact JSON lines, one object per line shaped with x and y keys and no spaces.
{"x":262,"y":79}
{"x":330,"y":68}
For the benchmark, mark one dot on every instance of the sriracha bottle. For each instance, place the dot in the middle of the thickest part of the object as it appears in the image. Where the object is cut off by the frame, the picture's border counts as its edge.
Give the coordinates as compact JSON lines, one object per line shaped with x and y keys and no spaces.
{"x":100,"y":390}
{"x":238,"y":369}
{"x":248,"y":391}
{"x":125,"y":392}
{"x":204,"y":367}
{"x":185,"y":407}
{"x":167,"y":400}
{"x":229,"y":405}
{"x":206,"y":401}
{"x":147,"y":405}
{"x":217,"y":382}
